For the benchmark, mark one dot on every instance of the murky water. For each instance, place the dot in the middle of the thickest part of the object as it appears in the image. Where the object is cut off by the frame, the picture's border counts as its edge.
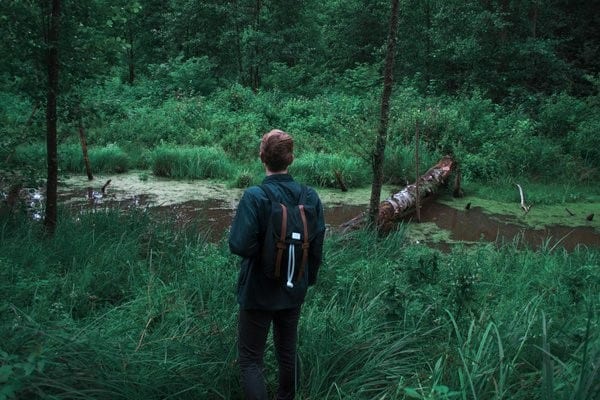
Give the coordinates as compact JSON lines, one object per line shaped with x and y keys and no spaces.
{"x":211,"y":207}
{"x":214,"y":216}
{"x":474,"y":225}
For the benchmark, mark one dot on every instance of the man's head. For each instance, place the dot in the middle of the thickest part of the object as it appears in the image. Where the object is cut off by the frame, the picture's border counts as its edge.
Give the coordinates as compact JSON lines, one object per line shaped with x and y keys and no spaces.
{"x":277,"y":150}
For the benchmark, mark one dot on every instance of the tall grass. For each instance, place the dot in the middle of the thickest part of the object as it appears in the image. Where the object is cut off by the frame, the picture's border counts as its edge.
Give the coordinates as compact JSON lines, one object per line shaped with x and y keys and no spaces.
{"x":125,"y":306}
{"x":327,"y":170}
{"x":108,"y":159}
{"x":191,"y":162}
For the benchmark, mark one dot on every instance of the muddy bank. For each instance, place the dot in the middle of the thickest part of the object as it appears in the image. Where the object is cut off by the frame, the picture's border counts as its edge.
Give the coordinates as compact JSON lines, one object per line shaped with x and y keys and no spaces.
{"x":210,"y":206}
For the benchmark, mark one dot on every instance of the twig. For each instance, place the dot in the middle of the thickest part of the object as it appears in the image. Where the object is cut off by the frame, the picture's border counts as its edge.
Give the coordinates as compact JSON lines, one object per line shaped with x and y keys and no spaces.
{"x":105,"y":186}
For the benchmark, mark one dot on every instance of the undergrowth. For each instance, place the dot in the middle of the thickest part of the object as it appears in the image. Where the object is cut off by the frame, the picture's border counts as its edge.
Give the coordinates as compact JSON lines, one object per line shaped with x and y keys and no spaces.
{"x":120,"y":305}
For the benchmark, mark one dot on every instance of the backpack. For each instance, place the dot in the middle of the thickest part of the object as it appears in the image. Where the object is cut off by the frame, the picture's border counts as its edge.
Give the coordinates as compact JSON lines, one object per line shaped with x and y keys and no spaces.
{"x":288,"y":235}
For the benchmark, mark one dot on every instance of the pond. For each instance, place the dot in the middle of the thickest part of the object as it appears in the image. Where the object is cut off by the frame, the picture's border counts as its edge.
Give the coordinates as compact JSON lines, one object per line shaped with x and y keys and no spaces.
{"x":212,"y":205}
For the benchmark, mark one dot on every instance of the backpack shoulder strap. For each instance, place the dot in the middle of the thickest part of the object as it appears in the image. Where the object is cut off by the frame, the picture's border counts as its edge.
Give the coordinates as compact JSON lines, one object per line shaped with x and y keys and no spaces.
{"x":303,"y":192}
{"x":282,"y":232}
{"x":269,"y":193}
{"x":305,"y":242}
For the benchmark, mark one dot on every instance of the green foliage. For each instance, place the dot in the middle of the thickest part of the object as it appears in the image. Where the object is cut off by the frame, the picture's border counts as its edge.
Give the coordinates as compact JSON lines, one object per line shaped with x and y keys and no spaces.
{"x":113,"y":290}
{"x":103,"y":295}
{"x":186,"y":77}
{"x":320,"y":169}
{"x":33,"y":155}
{"x":191,"y":162}
{"x":243,"y":179}
{"x":561,"y":114}
{"x":109,"y":159}
{"x":138,"y":308}
{"x":399,"y":164}
{"x":150,"y":126}
{"x":19,"y":122}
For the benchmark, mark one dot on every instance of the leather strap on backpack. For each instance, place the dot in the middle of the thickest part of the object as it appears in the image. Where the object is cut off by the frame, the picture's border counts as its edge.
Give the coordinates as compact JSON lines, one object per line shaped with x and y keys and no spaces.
{"x":281,"y":243}
{"x":305,"y":244}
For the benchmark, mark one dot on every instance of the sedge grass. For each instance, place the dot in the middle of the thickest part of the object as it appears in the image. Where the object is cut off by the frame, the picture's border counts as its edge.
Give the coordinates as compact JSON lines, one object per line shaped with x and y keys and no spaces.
{"x":118,"y":305}
{"x":191,"y":163}
{"x":325,"y":170}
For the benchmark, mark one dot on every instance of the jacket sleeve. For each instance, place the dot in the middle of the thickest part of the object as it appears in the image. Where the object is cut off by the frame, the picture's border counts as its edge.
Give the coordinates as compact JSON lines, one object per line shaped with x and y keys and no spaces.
{"x":316,"y":252}
{"x":245,"y":228}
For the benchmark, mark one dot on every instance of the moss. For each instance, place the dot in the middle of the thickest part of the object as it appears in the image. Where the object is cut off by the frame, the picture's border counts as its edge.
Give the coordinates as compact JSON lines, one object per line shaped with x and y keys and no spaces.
{"x":539,"y":216}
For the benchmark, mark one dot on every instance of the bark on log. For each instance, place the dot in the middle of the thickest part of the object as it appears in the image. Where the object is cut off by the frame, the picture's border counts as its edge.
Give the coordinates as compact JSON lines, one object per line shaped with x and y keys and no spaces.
{"x":404,"y":202}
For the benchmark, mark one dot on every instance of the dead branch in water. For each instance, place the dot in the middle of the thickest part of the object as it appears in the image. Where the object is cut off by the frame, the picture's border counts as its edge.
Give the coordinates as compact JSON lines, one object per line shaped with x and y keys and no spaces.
{"x":524,"y":207}
{"x":105,"y":186}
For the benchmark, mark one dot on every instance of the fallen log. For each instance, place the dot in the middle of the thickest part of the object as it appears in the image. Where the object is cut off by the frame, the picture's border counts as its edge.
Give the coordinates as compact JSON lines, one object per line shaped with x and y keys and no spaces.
{"x":404,"y":202}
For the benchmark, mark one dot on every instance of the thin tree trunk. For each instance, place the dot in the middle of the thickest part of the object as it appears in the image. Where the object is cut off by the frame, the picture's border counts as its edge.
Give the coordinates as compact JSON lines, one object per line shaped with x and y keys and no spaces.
{"x":254,"y":69}
{"x":533,"y":18}
{"x":130,"y":55}
{"x":84,"y":150}
{"x":50,"y":220}
{"x":238,"y":36}
{"x":378,"y":154}
{"x":418,"y":197}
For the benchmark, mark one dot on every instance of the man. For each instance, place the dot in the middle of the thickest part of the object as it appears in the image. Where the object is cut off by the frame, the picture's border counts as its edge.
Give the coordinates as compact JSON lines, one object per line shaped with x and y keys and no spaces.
{"x":262,"y":299}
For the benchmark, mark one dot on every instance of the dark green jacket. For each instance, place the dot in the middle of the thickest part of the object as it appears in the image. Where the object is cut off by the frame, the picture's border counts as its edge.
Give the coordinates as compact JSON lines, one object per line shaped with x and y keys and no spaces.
{"x":255,"y":290}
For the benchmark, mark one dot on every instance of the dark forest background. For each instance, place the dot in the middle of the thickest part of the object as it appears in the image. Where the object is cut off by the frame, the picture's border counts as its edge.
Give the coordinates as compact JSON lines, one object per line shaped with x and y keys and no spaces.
{"x":509,"y":87}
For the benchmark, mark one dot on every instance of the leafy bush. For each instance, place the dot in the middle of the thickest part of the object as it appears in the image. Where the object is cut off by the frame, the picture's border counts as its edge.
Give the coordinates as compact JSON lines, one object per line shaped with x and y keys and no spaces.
{"x":584,"y":143}
{"x":32,"y":155}
{"x":281,"y":77}
{"x":561,"y":114}
{"x":192,"y":76}
{"x":238,"y":135}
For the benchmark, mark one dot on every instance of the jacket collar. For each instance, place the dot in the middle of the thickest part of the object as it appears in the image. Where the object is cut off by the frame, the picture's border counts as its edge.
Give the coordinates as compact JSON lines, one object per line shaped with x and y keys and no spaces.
{"x":278,"y":178}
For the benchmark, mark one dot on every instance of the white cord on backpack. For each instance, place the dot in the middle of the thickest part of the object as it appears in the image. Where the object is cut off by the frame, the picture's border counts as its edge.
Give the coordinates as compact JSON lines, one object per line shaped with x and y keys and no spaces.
{"x":291,"y":265}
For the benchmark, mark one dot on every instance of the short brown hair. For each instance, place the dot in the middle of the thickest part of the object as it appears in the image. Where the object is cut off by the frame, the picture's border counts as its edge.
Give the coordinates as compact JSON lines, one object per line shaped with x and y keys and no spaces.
{"x":277,"y":150}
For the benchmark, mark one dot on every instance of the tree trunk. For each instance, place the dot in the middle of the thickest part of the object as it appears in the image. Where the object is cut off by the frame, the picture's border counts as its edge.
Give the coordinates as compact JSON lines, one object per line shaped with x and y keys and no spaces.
{"x":130,"y":55}
{"x":50,"y":220}
{"x":404,"y":202}
{"x":84,"y":150}
{"x":417,"y":184}
{"x":255,"y":64}
{"x":378,"y":154}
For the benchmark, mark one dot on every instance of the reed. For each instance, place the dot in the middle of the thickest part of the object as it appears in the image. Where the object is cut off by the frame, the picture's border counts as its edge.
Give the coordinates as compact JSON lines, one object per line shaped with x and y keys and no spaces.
{"x":191,"y":163}
{"x":123,"y":305}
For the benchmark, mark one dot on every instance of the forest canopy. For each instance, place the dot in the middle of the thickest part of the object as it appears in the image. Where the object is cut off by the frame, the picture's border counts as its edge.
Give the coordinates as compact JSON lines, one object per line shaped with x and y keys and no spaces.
{"x":509,"y":87}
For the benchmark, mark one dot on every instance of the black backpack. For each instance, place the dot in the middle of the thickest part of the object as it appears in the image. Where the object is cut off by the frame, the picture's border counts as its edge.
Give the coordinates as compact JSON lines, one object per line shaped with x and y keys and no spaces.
{"x":287,"y":241}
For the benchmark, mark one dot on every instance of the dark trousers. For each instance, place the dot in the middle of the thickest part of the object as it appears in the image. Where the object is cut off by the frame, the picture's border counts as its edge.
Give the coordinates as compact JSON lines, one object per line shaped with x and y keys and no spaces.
{"x":253,"y":330}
